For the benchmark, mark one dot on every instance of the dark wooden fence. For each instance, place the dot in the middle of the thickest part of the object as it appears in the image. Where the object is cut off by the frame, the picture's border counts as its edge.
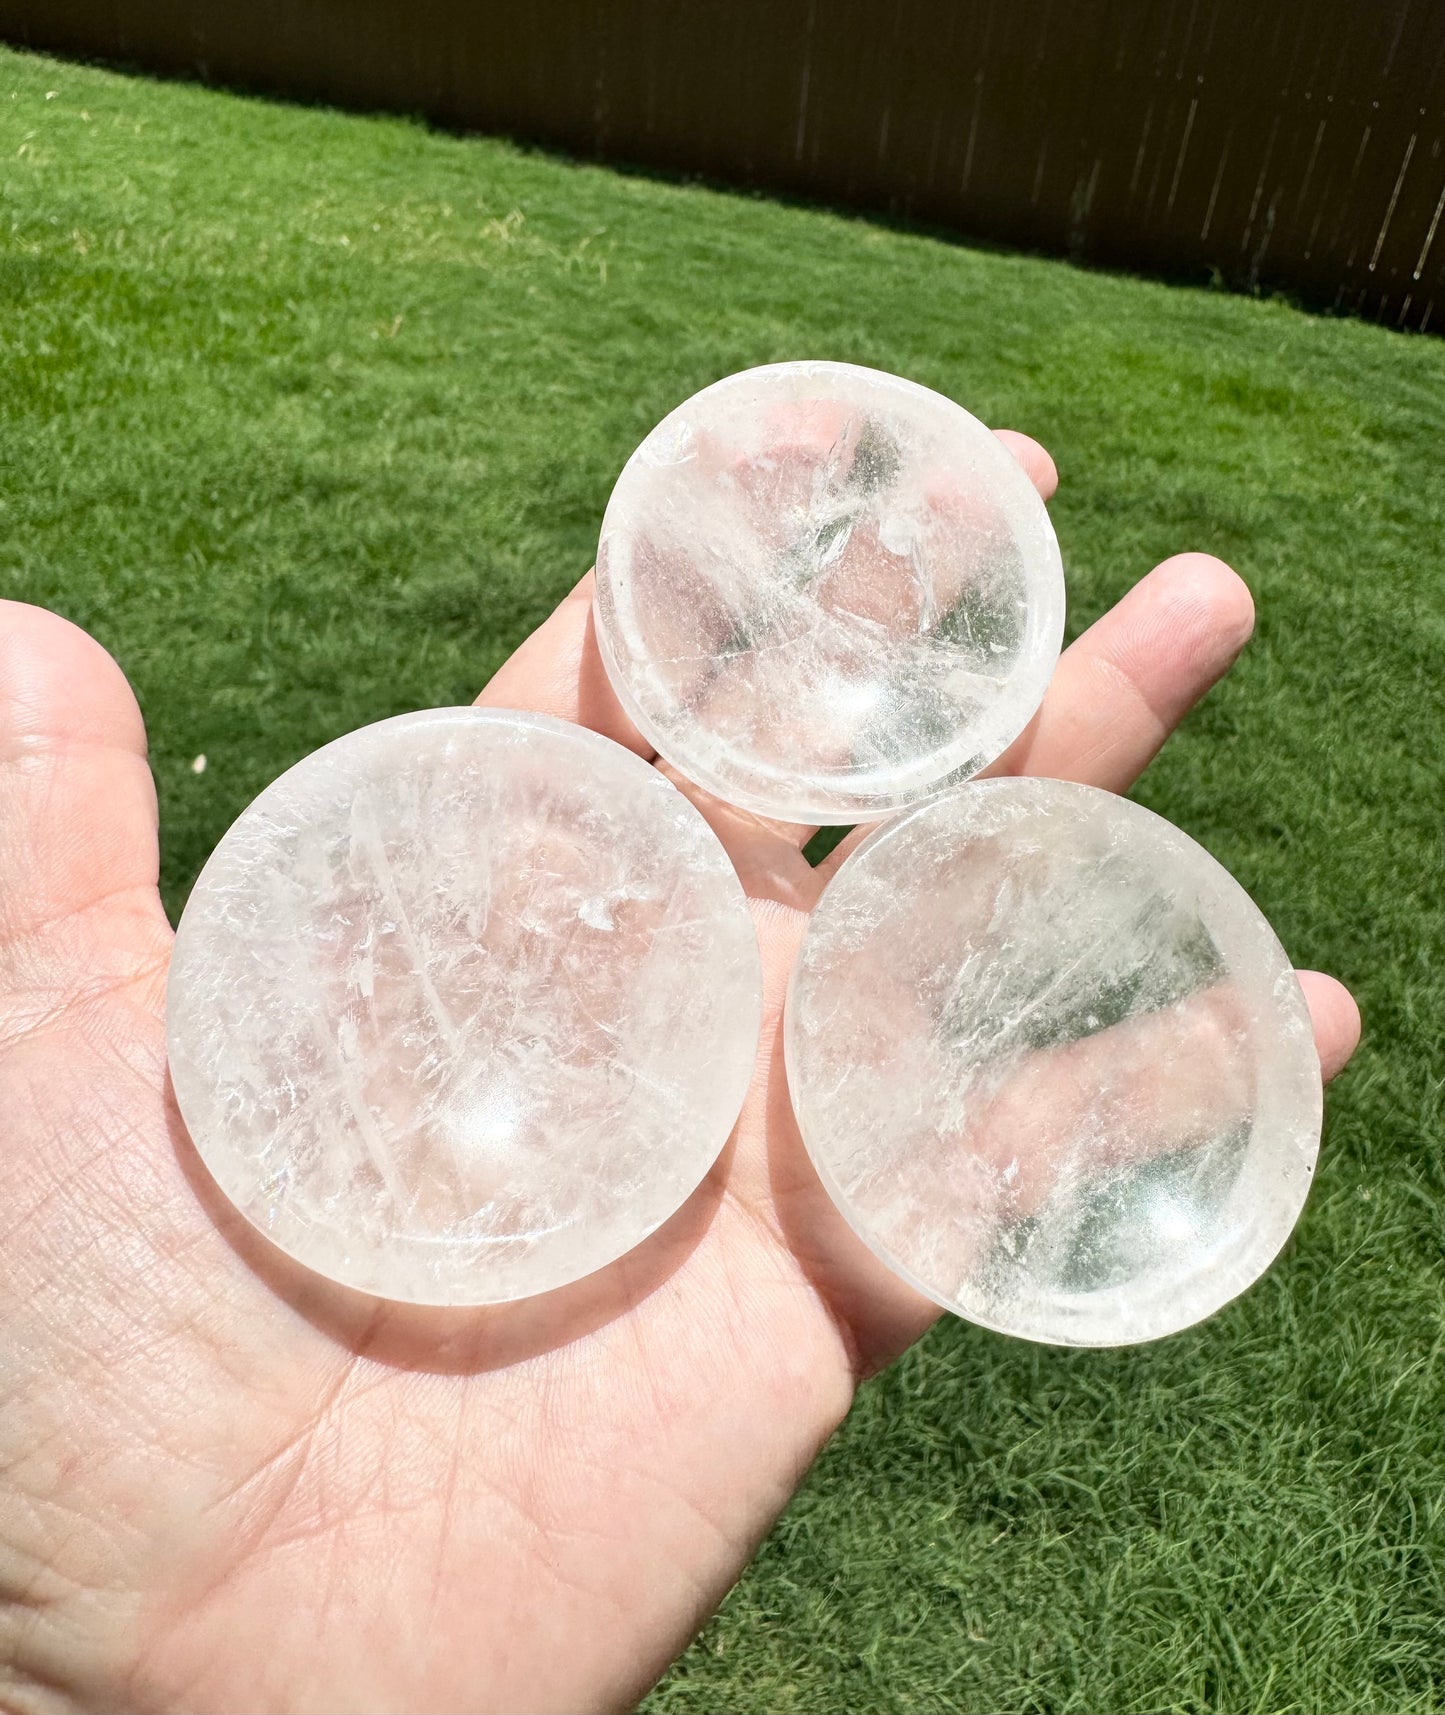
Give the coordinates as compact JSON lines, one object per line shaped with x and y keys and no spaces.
{"x":1298,"y":143}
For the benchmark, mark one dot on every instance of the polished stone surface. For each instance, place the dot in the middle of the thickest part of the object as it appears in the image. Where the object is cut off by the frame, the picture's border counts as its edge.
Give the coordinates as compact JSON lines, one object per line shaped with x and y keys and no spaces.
{"x":823,"y":592}
{"x":463,"y":1006}
{"x":1053,"y":1065}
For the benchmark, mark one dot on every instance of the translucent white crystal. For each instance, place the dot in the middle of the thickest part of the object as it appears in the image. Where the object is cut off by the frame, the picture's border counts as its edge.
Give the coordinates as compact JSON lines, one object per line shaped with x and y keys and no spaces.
{"x":463,"y":1006}
{"x":1053,"y":1065}
{"x":823,"y":591}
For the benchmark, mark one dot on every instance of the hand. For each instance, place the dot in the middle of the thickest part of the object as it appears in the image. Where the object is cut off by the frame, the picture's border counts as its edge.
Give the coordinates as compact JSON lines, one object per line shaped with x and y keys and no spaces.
{"x":230,"y":1485}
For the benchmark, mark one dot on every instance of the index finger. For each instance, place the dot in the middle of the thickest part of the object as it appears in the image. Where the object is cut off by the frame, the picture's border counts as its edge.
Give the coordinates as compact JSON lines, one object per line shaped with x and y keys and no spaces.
{"x":558,"y":671}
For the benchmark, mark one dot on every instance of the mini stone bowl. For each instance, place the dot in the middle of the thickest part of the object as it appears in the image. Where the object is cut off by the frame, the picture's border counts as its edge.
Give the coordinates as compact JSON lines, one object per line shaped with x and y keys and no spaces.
{"x":464,"y":1006}
{"x":824,"y":592}
{"x":1053,"y":1065}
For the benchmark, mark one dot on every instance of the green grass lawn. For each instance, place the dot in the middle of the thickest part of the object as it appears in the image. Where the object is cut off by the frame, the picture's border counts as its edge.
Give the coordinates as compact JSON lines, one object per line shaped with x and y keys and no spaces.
{"x":310,"y":418}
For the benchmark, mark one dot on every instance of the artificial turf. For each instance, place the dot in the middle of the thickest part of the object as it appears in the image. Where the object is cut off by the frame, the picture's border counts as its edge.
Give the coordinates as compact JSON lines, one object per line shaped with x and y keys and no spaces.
{"x":310,"y":417}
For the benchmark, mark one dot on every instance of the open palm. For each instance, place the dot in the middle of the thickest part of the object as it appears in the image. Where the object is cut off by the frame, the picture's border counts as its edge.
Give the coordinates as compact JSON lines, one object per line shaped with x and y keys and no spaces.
{"x":228,"y":1484}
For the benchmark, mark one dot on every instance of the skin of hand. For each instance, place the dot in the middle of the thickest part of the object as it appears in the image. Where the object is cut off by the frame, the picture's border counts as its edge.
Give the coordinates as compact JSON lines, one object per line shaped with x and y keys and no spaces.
{"x":228,"y":1484}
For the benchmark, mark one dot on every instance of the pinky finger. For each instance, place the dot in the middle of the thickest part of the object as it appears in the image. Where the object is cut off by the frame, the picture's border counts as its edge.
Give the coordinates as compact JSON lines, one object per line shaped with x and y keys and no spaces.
{"x":1336,"y":1019}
